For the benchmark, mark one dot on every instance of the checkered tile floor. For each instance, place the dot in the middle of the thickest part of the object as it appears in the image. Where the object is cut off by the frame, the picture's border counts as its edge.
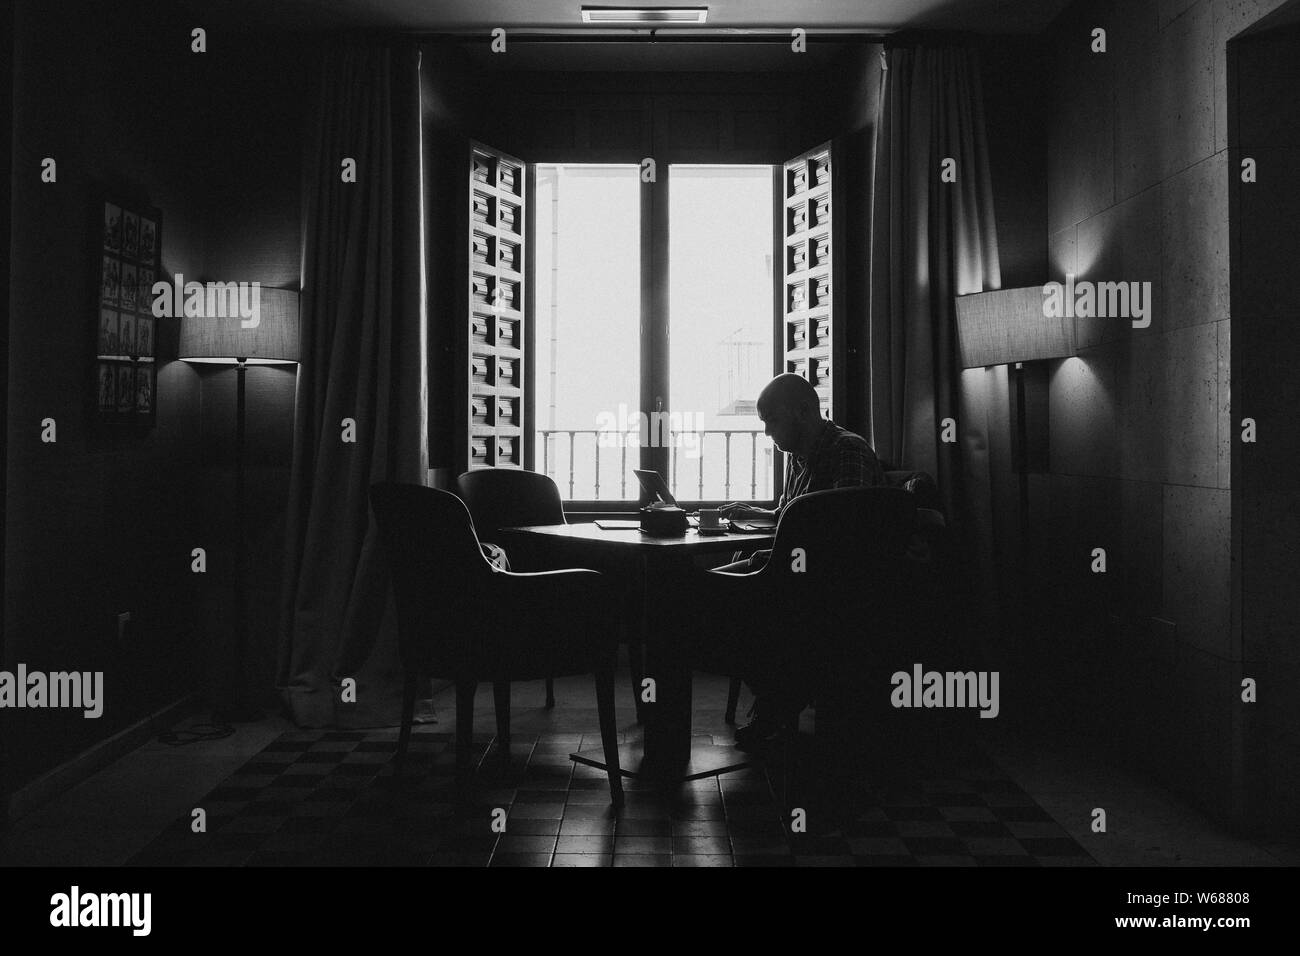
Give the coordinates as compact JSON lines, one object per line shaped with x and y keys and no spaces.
{"x":330,"y":798}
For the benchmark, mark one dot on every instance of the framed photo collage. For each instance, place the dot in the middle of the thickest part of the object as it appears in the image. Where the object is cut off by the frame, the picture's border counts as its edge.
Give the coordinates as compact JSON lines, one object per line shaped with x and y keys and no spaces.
{"x":130,"y":255}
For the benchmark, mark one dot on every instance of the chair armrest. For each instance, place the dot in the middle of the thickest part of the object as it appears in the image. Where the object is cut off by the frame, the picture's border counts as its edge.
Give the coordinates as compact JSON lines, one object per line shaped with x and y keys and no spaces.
{"x":544,"y":586}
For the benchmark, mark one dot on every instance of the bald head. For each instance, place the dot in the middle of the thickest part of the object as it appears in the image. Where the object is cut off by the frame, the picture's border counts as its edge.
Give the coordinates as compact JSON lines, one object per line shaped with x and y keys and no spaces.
{"x":791,"y":413}
{"x":789,"y":391}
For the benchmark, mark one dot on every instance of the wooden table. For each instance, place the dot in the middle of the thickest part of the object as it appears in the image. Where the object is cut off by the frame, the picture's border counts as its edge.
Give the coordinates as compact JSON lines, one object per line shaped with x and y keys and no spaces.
{"x":668,"y":752}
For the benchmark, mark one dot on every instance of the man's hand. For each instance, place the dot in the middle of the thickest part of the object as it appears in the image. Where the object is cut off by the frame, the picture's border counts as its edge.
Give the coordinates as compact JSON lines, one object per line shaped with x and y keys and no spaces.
{"x":738,"y":510}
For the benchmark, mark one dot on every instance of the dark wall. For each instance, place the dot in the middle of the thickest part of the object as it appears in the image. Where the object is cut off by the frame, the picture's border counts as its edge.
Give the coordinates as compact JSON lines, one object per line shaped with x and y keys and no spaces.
{"x":1015,"y":120}
{"x":1264,"y":126}
{"x":668,"y":116}
{"x":860,"y":82}
{"x":1141,"y":436}
{"x":99,"y":522}
{"x":103,"y":521}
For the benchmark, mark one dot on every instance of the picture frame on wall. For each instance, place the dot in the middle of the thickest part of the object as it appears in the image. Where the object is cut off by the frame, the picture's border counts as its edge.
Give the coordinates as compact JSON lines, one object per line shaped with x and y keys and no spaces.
{"x":126,"y":334}
{"x":112,"y":279}
{"x":129,"y":287}
{"x":144,"y":325}
{"x":108,"y":329}
{"x":130,"y":234}
{"x":144,"y":297}
{"x":112,"y":227}
{"x":128,"y":261}
{"x":148,"y":239}
{"x":106,"y":376}
{"x":144,"y":387}
{"x":125,"y":388}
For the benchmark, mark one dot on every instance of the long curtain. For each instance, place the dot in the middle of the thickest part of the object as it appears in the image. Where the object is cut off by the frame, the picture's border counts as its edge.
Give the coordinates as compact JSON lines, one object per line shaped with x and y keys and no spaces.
{"x":363,"y":363}
{"x":933,"y":237}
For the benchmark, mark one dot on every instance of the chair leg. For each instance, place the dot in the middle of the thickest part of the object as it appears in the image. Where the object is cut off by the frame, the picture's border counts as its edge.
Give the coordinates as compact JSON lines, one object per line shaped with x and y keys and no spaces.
{"x":464,"y":724}
{"x":409,"y":690}
{"x":636,"y":664}
{"x":550,"y":692}
{"x":501,"y":697}
{"x":609,"y":732}
{"x":733,"y":698}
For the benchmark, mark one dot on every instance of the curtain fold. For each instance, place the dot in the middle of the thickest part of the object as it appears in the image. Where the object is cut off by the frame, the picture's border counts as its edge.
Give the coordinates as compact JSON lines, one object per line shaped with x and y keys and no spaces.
{"x":363,"y":361}
{"x":932,"y":240}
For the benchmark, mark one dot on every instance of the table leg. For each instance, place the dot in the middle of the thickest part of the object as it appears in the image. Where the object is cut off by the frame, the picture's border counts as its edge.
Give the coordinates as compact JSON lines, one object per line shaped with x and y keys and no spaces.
{"x":637,"y":637}
{"x":669,"y":753}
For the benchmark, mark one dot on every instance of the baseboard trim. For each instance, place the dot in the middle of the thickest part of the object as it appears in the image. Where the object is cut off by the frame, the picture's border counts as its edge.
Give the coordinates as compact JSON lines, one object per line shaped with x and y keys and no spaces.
{"x":40,"y":791}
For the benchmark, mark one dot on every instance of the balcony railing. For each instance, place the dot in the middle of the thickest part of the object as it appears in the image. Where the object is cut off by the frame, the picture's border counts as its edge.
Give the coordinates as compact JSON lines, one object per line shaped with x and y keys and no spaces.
{"x":717,"y":462}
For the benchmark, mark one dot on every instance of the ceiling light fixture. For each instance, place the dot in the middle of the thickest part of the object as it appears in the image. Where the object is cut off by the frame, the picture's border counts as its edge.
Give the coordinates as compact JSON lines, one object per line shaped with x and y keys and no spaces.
{"x":644,"y":15}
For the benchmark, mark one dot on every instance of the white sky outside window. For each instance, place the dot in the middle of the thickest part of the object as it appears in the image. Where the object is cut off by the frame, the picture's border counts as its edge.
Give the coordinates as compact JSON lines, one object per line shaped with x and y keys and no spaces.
{"x":587,"y":315}
{"x":587,"y":328}
{"x":720,"y":327}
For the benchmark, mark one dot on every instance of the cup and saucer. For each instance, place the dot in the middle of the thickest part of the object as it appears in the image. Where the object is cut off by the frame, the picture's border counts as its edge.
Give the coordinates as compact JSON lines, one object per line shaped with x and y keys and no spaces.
{"x":711,"y":522}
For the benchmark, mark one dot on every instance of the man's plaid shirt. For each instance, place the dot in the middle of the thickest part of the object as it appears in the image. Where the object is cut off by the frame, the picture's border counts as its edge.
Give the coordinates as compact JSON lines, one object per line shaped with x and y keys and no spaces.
{"x":839,"y":459}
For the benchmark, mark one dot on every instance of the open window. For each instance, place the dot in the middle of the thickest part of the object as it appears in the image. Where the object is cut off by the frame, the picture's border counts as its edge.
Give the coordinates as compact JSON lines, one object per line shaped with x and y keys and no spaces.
{"x":721,"y":271}
{"x":615,"y":324}
{"x":587,"y":315}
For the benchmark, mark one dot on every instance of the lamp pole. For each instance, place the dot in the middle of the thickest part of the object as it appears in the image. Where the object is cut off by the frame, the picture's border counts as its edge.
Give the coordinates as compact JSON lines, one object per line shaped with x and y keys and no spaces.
{"x":237,"y":708}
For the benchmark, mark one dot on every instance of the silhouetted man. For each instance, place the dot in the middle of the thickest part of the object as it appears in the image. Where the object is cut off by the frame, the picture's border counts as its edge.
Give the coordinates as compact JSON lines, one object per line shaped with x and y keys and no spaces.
{"x":822,"y":456}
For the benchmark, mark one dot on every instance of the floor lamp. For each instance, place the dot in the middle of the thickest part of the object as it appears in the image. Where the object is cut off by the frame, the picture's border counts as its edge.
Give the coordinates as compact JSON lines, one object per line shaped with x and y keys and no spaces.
{"x":1012,"y":327}
{"x":268,"y":337}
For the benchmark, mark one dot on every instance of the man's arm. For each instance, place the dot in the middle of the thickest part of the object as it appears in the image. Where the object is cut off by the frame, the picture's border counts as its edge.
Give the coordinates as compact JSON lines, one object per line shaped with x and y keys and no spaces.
{"x":740,"y":510}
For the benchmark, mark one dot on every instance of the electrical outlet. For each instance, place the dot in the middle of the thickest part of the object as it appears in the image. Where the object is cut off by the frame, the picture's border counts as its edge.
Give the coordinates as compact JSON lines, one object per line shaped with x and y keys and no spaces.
{"x":122,"y":620}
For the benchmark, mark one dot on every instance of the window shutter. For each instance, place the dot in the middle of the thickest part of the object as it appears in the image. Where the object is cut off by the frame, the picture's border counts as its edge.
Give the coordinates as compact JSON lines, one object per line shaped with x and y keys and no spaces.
{"x":810,"y":293}
{"x":492,"y":423}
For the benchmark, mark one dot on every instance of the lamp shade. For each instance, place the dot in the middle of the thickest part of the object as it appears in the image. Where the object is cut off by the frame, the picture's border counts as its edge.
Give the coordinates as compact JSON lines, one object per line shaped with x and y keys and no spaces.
{"x":1008,"y":326}
{"x":270,"y":338}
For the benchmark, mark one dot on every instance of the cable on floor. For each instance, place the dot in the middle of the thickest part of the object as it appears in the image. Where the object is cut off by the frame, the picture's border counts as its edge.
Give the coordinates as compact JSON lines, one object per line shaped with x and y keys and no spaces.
{"x":195,"y":734}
